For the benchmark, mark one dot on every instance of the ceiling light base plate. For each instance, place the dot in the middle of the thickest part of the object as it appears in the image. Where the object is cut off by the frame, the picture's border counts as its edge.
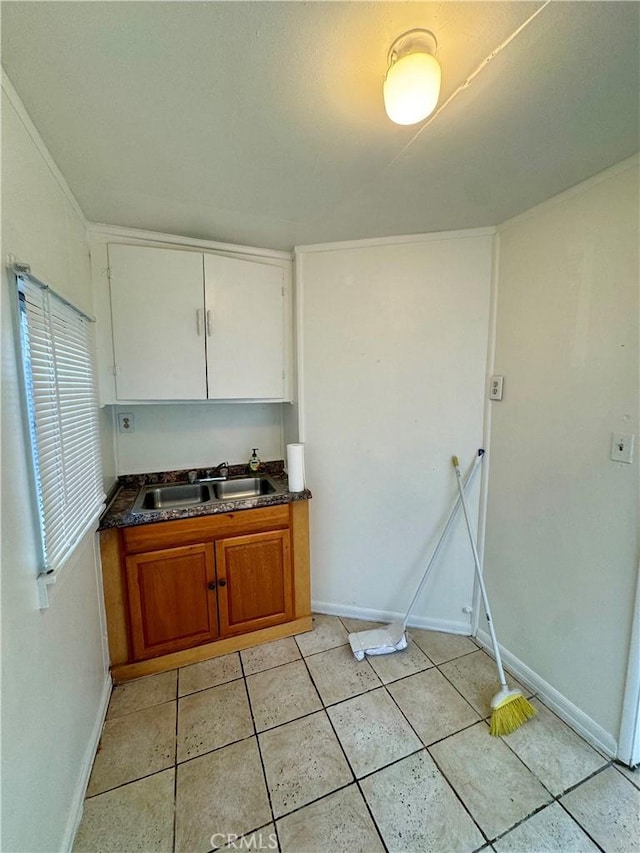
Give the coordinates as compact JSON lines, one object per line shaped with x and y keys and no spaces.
{"x":413,"y":41}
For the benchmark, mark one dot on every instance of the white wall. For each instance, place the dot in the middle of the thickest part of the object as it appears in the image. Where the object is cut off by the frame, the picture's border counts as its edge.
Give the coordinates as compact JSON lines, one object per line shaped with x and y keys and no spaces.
{"x":393,"y":344}
{"x":54,"y":677}
{"x":561,"y":552}
{"x":198,"y":435}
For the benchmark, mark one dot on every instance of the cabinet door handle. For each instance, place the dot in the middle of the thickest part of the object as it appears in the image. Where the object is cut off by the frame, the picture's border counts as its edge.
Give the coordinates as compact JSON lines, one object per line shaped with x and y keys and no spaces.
{"x":199,"y":321}
{"x":209,"y":319}
{"x":211,"y":585}
{"x":222,"y":582}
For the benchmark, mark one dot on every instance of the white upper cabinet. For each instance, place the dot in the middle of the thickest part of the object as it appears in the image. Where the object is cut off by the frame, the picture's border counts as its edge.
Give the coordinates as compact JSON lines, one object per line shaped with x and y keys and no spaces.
{"x":245,"y":328}
{"x":158,"y":323}
{"x":194,"y":326}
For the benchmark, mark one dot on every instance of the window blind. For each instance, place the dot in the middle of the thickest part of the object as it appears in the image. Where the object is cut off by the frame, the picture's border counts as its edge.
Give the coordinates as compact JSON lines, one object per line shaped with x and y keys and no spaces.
{"x":57,"y":343}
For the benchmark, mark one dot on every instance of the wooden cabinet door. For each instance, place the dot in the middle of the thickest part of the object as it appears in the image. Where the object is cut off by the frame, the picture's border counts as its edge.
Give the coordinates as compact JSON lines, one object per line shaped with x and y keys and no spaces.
{"x":255,"y":585}
{"x":172,"y":599}
{"x":245,"y":329}
{"x":157,"y":307}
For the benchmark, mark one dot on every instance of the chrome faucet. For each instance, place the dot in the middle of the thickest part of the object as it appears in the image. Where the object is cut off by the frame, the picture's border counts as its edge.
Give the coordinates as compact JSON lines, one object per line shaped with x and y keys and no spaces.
{"x":212,"y":477}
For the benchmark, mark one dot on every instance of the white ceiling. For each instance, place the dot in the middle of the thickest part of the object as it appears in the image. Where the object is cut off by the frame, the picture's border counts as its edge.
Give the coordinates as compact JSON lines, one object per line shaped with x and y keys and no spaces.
{"x":262,"y":122}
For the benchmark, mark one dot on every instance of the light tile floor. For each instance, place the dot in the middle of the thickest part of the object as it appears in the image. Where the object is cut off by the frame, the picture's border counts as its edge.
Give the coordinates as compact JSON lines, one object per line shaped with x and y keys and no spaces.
{"x":295,"y":746}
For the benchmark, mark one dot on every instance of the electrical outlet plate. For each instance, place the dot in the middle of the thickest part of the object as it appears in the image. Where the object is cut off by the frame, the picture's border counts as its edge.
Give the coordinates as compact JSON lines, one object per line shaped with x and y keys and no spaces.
{"x":125,"y":422}
{"x":622,"y":447}
{"x":495,"y":387}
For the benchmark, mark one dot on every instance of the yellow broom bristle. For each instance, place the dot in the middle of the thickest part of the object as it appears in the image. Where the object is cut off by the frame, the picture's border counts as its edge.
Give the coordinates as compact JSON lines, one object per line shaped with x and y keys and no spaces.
{"x":510,"y":715}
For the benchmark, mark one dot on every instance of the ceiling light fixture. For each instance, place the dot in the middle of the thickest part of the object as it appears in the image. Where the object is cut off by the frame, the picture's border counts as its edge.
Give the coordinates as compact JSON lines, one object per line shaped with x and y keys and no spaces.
{"x":412,"y":85}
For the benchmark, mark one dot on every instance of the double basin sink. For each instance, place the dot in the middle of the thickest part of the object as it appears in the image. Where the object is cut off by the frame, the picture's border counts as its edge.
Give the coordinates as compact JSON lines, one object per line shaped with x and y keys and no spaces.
{"x":166,"y":496}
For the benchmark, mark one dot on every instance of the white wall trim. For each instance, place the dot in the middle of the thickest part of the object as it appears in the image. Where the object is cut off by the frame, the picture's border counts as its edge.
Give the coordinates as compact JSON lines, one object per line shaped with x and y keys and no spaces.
{"x":331,"y":608}
{"x":587,"y":728}
{"x":392,"y":241}
{"x":629,"y":739}
{"x":77,"y":803}
{"x":578,"y":189}
{"x":483,"y":503}
{"x":175,"y":240}
{"x":299,"y":339}
{"x":37,"y":140}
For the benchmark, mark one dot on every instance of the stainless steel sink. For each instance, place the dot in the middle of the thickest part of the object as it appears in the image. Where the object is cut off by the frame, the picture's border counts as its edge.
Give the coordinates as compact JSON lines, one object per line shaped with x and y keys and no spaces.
{"x":172,"y":496}
{"x":244,"y":487}
{"x":182,"y":495}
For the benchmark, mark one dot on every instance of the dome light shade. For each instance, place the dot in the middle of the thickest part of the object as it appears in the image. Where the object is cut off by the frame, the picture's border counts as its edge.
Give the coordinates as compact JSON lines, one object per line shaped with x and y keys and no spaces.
{"x":411,"y":88}
{"x":412,"y":85}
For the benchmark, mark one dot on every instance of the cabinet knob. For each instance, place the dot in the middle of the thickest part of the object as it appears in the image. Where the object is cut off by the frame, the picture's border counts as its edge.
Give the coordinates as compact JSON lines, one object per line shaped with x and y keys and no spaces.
{"x":211,"y":585}
{"x":222,"y":582}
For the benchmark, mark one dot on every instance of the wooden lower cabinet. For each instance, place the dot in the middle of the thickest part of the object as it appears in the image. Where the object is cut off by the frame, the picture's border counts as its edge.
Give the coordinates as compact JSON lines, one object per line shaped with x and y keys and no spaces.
{"x":208,"y":583}
{"x":255,"y":588}
{"x":172,"y":599}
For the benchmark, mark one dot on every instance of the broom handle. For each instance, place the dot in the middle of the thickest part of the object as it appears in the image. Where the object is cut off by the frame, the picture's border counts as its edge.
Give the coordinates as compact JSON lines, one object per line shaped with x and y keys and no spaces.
{"x":483,"y":589}
{"x":452,"y":517}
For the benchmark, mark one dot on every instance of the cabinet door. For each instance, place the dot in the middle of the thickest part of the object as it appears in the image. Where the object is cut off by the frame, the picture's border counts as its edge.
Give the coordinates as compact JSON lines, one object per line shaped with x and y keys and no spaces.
{"x":157,"y":307}
{"x":245,"y":328}
{"x":172,"y":599}
{"x":255,"y":588}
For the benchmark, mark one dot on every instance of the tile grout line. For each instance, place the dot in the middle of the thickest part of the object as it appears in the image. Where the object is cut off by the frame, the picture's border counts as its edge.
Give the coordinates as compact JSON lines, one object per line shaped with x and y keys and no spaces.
{"x":395,"y":761}
{"x":446,"y":737}
{"x":571,"y":729}
{"x":556,"y":797}
{"x":315,"y":799}
{"x":486,"y":721}
{"x":346,"y":757}
{"x":575,"y":819}
{"x":346,"y":698}
{"x":541,"y":809}
{"x":597,"y":772}
{"x":371,"y":815}
{"x":210,"y":687}
{"x":137,"y":710}
{"x":509,"y":829}
{"x":458,"y":691}
{"x":457,"y":795}
{"x":131,"y":782}
{"x":504,"y":740}
{"x":355,"y":778}
{"x":423,"y":747}
{"x":260,"y":756}
{"x":175,"y":765}
{"x":231,"y":743}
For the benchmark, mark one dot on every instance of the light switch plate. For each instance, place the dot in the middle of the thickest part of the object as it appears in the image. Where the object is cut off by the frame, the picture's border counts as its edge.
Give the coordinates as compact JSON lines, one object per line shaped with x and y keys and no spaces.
{"x":622,"y":446}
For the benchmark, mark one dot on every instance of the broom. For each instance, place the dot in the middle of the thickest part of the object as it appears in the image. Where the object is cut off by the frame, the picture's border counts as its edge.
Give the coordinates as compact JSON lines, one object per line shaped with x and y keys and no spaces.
{"x":509,"y":708}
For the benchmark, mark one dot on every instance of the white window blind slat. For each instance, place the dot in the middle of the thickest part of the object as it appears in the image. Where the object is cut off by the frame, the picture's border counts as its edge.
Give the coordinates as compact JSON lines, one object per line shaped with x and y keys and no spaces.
{"x":57,"y":348}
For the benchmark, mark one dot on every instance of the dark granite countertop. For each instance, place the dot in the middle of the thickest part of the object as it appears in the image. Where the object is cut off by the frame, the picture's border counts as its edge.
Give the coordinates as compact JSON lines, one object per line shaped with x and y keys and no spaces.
{"x":118,"y":512}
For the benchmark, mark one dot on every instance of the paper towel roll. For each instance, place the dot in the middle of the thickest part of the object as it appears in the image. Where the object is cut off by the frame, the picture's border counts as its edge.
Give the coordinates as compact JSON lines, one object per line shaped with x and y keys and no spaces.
{"x":295,"y":467}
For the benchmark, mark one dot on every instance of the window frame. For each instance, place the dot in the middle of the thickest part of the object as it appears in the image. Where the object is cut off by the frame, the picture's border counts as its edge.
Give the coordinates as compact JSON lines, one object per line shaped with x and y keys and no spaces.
{"x":56,"y":344}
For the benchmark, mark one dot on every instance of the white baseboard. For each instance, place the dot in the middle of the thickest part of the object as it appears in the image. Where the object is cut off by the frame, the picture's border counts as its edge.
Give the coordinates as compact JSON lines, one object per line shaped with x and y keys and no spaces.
{"x":591,"y":731}
{"x":77,"y":805}
{"x":335,"y":609}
